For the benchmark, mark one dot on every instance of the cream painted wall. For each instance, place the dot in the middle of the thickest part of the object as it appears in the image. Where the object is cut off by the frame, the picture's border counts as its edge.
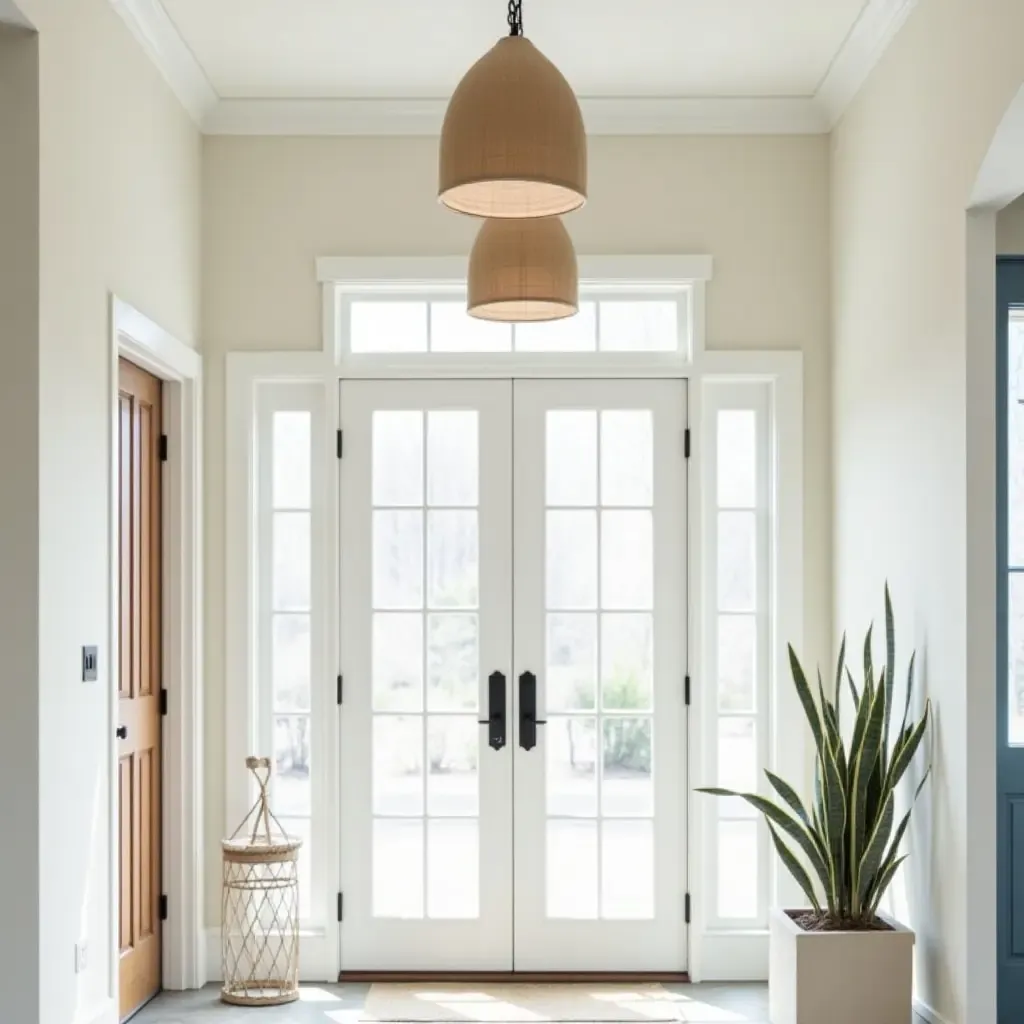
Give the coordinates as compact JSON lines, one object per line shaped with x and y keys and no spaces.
{"x":913,"y":441}
{"x":272,"y":205}
{"x":1010,"y":229}
{"x":119,"y":212}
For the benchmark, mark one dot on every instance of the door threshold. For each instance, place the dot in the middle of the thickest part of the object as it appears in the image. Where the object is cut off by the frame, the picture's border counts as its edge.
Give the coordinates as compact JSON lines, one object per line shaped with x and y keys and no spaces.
{"x":512,"y":977}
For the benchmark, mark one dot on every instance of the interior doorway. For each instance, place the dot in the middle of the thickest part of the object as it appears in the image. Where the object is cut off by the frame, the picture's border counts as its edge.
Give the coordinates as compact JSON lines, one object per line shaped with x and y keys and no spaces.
{"x":513,"y":566}
{"x":140,"y":687}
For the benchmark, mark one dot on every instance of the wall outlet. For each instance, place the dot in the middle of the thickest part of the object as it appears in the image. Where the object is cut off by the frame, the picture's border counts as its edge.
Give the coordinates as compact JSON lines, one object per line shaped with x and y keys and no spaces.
{"x":81,"y":957}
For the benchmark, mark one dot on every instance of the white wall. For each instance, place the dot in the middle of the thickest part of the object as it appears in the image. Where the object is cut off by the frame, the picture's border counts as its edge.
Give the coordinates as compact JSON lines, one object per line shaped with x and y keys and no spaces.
{"x":914,"y":441}
{"x":272,"y":205}
{"x":119,"y":212}
{"x":1010,"y":229}
{"x":19,"y":516}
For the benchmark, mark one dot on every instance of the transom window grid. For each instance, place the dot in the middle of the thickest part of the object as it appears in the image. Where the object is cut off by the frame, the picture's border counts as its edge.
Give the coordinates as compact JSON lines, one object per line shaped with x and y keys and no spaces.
{"x":738,"y":644}
{"x":428,"y":324}
{"x":600,"y":664}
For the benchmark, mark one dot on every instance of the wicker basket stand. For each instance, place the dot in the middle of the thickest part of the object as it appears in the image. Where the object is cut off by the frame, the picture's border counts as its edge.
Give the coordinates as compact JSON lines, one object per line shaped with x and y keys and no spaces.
{"x":260,"y":906}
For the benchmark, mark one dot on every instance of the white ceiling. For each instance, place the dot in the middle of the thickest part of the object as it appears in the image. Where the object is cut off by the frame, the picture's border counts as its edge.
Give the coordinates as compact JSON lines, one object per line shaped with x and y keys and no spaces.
{"x":638,"y":66}
{"x":607,"y":48}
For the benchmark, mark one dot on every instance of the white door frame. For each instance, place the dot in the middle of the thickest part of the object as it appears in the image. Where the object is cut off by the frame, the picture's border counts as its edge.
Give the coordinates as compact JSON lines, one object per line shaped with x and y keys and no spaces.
{"x":138,"y":339}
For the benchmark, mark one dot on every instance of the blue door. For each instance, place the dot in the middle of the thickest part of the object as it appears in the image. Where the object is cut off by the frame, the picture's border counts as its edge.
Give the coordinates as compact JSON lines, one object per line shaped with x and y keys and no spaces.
{"x":1010,"y":715}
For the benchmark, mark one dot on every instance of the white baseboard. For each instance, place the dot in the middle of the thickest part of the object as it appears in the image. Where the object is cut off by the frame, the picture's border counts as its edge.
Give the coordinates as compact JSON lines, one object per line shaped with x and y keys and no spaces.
{"x":924,"y":1011}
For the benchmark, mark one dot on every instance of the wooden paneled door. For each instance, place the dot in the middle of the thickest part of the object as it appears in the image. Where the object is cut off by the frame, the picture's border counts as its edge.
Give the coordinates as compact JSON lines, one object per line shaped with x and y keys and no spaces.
{"x":139,"y":686}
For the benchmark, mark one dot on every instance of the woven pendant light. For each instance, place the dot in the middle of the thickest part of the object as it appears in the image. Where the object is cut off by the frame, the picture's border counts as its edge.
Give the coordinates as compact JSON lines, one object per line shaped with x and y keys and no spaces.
{"x":523,"y":271}
{"x":513,"y":142}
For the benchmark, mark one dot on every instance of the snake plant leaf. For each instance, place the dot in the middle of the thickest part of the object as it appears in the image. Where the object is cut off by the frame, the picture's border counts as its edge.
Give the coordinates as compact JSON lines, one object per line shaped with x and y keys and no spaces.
{"x":892,"y":852}
{"x":860,"y":724}
{"x":839,"y":680}
{"x":853,"y":690}
{"x":875,"y":848}
{"x":862,"y":764}
{"x":793,"y":828}
{"x":804,"y":693}
{"x":869,"y":671}
{"x":835,"y":821}
{"x":906,"y":751}
{"x":883,"y":883}
{"x":795,"y":868}
{"x":889,"y":681}
{"x":910,"y":690}
{"x":790,"y":796}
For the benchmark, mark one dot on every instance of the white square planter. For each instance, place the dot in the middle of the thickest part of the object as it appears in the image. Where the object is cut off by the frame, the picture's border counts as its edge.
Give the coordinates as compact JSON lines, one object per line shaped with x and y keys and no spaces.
{"x":839,"y":977}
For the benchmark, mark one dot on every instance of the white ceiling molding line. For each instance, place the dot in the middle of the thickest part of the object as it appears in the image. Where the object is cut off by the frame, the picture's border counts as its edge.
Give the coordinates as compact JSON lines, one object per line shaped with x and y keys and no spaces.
{"x":159,"y":37}
{"x":862,"y":49}
{"x":627,"y":116}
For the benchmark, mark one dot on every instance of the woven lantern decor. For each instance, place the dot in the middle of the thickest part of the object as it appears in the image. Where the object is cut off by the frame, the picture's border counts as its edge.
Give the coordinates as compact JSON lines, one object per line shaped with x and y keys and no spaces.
{"x":260,"y":906}
{"x":513,"y":142}
{"x":522,"y":271}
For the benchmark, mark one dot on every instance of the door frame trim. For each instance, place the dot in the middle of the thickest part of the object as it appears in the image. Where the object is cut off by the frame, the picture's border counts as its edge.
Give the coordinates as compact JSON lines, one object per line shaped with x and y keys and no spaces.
{"x":135,"y":337}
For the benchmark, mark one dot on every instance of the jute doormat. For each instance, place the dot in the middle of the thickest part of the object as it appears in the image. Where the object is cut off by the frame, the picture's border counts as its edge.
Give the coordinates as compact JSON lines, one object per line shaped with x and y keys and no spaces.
{"x":507,"y":1004}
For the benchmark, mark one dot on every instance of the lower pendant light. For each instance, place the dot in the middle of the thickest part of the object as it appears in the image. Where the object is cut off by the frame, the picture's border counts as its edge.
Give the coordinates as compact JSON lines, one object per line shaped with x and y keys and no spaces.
{"x":522,"y":271}
{"x":513,"y":142}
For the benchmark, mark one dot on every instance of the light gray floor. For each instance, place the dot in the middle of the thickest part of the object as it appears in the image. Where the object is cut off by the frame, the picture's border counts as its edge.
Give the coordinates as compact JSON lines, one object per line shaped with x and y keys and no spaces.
{"x":340,"y":1004}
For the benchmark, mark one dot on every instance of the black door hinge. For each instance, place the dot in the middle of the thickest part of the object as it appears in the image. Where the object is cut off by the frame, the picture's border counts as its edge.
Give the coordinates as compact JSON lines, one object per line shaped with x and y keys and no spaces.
{"x":163,"y":907}
{"x":341,"y":906}
{"x":163,"y":701}
{"x":341,"y":445}
{"x":163,"y":447}
{"x":686,"y":908}
{"x":686,"y":443}
{"x":340,"y":688}
{"x":686,"y":691}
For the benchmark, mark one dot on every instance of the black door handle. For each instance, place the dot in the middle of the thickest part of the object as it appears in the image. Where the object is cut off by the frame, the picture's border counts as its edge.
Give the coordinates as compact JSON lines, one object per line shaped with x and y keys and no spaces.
{"x":495,"y":720}
{"x":122,"y":732}
{"x":528,"y":720}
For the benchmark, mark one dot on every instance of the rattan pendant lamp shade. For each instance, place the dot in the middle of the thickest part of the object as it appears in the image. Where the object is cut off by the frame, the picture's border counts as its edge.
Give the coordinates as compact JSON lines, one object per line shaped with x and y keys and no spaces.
{"x":513,"y":142}
{"x":523,"y":270}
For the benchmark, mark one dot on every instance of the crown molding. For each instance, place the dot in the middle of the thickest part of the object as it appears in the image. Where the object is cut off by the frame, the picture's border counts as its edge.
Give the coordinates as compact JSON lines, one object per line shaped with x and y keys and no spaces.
{"x":159,"y":37}
{"x":604,"y":116}
{"x":862,"y":49}
{"x":874,"y":29}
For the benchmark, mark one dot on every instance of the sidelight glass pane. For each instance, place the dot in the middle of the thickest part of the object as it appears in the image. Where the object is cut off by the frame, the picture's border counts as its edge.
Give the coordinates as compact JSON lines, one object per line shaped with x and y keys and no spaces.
{"x":627,"y":789}
{"x":292,"y":459}
{"x":303,"y":829}
{"x":376,"y":326}
{"x":453,"y":752}
{"x":397,"y":765}
{"x":398,"y":868}
{"x":627,"y":457}
{"x":737,"y":561}
{"x":639,"y":325}
{"x":452,"y":329}
{"x":398,"y":458}
{"x":290,"y":662}
{"x":397,"y":559}
{"x":627,"y":648}
{"x":572,"y":662}
{"x":571,"y":560}
{"x":571,"y":457}
{"x":737,"y":869}
{"x":453,"y":662}
{"x":627,"y":560}
{"x":737,"y":765}
{"x":453,"y":869}
{"x":1015,"y":438}
{"x":737,"y":662}
{"x":737,"y":458}
{"x":292,"y":561}
{"x":452,"y":459}
{"x":1016,"y":659}
{"x":397,"y":661}
{"x":291,"y":765}
{"x":572,"y":334}
{"x":572,"y":869}
{"x":627,"y":870}
{"x":453,"y":559}
{"x":571,"y":766}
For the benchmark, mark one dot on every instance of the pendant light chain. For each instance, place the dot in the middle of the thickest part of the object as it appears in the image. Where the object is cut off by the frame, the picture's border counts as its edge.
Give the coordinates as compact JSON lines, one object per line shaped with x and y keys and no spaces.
{"x":515,"y":17}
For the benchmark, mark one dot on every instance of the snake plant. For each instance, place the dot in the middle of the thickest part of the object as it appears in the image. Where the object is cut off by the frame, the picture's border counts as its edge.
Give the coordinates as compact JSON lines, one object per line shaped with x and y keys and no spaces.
{"x":843,"y":852}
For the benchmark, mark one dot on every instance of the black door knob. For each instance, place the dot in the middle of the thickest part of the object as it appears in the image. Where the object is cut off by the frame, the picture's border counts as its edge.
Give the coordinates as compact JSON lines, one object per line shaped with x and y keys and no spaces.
{"x":122,"y":732}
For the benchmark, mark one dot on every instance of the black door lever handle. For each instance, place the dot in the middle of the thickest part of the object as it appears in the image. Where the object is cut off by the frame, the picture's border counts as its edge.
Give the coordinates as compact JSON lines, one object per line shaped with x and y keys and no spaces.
{"x":528,"y":720}
{"x":495,"y":720}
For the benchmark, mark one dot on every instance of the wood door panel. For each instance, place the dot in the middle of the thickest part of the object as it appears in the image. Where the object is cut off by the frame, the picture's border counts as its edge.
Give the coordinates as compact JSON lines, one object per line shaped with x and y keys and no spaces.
{"x":139,"y":686}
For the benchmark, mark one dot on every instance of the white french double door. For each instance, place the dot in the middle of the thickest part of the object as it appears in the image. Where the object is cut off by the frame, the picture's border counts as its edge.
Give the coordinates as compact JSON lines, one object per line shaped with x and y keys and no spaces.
{"x":513,"y":624}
